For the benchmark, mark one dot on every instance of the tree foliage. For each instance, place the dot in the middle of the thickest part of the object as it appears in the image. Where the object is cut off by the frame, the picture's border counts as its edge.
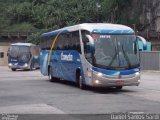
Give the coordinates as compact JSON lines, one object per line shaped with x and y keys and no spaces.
{"x":113,"y":10}
{"x":54,"y":14}
{"x":48,"y":14}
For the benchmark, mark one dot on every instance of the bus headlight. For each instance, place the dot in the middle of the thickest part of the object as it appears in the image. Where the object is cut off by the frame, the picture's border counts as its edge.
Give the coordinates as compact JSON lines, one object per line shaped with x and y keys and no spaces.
{"x":10,"y":64}
{"x":99,"y":74}
{"x":25,"y":65}
{"x":97,"y":81}
{"x":137,"y":73}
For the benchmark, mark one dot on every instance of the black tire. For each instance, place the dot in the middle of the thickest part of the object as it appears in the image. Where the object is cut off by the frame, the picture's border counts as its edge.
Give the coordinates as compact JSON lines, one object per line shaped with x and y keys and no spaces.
{"x":51,"y":79}
{"x":119,"y":87}
{"x":37,"y":68}
{"x":31,"y":67}
{"x":13,"y":69}
{"x":79,"y":81}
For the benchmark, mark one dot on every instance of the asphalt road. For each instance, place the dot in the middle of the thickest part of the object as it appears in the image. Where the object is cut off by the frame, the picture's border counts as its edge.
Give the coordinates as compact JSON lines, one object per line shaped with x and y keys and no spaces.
{"x":28,"y":92}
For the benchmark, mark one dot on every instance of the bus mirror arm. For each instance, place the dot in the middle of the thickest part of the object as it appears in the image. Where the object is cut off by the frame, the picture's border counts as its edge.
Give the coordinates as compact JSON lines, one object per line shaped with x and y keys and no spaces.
{"x":144,"y":42}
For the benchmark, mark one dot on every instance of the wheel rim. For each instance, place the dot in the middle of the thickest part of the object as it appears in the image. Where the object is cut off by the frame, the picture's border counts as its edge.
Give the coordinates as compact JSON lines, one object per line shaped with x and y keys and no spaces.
{"x":80,"y":81}
{"x":50,"y":77}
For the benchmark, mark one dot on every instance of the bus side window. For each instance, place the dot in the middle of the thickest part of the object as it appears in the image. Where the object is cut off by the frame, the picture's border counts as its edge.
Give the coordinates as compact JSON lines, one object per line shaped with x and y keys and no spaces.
{"x":37,"y":51}
{"x":43,"y":43}
{"x":87,"y":49}
{"x":32,"y":50}
{"x":63,"y":42}
{"x":66,"y":40}
{"x":76,"y":41}
{"x":70,"y":41}
{"x":58,"y":45}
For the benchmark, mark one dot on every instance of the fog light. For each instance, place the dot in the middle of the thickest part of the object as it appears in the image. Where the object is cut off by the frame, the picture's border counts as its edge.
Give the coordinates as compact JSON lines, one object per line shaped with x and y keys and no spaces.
{"x":25,"y":65}
{"x":97,"y":81}
{"x":89,"y":74}
{"x":10,"y":64}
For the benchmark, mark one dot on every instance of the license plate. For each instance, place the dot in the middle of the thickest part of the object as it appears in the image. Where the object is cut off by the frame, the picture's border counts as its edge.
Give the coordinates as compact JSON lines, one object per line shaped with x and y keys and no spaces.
{"x":119,"y":82}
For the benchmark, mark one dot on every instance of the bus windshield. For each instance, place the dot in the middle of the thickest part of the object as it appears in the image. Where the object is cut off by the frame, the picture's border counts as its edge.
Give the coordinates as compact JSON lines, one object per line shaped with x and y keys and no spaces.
{"x":116,"y":51}
{"x":20,"y":53}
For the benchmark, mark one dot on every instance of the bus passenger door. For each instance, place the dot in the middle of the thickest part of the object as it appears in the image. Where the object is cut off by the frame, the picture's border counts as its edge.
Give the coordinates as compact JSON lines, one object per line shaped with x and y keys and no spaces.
{"x":44,"y":62}
{"x":88,"y":58}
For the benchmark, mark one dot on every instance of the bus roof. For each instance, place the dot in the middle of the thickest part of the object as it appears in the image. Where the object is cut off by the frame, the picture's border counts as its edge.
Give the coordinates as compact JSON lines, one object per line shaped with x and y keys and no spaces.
{"x":24,"y":44}
{"x":95,"y":28}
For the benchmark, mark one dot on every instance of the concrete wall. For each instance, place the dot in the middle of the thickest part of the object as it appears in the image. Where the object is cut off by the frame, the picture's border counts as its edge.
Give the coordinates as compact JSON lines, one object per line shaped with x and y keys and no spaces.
{"x":150,"y":60}
{"x":4,"y":60}
{"x":5,"y":43}
{"x":7,"y":38}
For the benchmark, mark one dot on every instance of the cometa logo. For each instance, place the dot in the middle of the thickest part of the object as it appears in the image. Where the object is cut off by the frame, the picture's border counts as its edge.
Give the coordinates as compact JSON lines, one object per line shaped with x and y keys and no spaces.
{"x":66,"y":57}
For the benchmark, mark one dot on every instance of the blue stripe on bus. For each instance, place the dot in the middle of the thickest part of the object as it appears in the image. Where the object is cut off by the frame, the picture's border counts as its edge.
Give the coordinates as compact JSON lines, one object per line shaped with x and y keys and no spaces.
{"x":113,"y":31}
{"x":116,"y":72}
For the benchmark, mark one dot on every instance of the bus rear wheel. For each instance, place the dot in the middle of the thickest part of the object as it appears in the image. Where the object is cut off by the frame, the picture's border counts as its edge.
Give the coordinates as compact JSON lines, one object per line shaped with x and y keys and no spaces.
{"x":80,"y":82}
{"x":119,"y":87}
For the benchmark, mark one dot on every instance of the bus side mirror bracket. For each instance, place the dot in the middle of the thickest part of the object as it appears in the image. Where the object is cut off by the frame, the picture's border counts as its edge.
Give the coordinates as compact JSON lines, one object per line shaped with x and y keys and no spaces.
{"x":144,"y":42}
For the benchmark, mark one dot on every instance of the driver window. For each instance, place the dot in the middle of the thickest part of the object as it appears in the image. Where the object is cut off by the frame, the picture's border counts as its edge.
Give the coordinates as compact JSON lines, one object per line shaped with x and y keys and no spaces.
{"x":87,"y":49}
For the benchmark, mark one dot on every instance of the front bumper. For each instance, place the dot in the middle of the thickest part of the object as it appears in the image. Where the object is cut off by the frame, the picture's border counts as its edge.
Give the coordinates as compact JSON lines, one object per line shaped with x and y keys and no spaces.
{"x":114,"y":81}
{"x":13,"y":66}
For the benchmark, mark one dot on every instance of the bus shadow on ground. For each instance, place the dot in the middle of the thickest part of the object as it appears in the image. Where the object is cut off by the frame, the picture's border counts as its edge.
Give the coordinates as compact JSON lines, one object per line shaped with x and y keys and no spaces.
{"x":100,"y":90}
{"x":26,"y":70}
{"x":111,"y":90}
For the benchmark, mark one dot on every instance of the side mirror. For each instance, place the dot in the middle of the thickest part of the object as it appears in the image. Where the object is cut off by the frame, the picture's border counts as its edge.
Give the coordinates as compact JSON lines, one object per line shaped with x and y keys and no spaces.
{"x":91,"y":41}
{"x":144,"y":42}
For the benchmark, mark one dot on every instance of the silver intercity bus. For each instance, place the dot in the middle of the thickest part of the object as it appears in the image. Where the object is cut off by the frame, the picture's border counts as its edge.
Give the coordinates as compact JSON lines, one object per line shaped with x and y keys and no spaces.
{"x":23,"y":56}
{"x":93,"y":54}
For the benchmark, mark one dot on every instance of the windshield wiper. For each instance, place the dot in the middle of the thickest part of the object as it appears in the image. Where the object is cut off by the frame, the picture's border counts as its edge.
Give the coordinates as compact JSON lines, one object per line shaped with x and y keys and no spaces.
{"x":126,"y":57}
{"x":114,"y":57}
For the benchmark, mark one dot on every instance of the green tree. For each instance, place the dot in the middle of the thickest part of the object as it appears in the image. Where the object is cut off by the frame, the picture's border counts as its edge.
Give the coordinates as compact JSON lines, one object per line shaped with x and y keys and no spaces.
{"x":113,"y":9}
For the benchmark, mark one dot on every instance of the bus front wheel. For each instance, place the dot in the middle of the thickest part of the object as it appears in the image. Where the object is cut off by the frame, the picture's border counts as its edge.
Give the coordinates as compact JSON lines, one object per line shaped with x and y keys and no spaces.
{"x":79,"y":81}
{"x":13,"y":69}
{"x":119,"y":87}
{"x":50,"y":75}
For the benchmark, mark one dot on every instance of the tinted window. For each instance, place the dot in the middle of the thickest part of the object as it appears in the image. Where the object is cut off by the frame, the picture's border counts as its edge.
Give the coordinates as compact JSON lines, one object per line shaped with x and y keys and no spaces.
{"x":46,"y":42}
{"x":1,"y":54}
{"x":66,"y":41}
{"x":69,"y":41}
